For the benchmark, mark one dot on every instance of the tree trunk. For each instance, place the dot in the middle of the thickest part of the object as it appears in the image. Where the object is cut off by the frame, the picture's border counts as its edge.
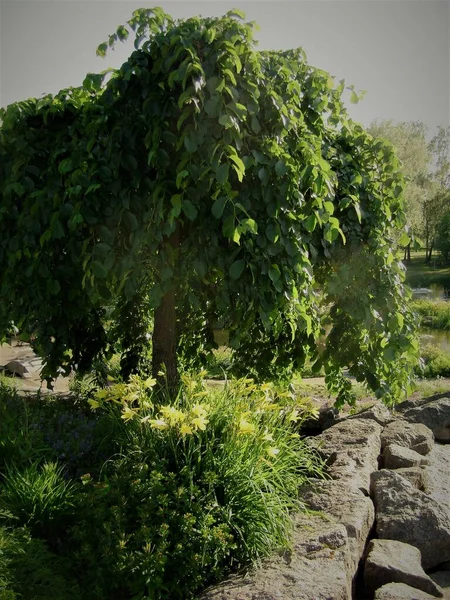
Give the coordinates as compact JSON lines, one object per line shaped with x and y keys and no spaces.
{"x":164,"y":341}
{"x":164,"y":338}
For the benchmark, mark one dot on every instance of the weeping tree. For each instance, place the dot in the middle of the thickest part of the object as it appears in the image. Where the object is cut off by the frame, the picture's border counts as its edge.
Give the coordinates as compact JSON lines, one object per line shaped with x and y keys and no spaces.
{"x":204,"y":181}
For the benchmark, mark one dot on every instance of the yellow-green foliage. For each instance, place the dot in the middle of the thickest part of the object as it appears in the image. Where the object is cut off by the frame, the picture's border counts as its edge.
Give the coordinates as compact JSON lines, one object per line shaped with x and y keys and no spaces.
{"x":433,"y":313}
{"x":203,"y":484}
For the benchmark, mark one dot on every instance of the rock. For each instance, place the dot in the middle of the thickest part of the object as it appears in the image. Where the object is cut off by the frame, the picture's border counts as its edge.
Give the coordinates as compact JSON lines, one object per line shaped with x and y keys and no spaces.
{"x":400,"y":591}
{"x":17,"y":368}
{"x":436,"y":479}
{"x":442,"y":579}
{"x":414,"y":436}
{"x":415,"y":476}
{"x":351,"y":449}
{"x":398,"y":457}
{"x":411,"y":516}
{"x":346,"y":505}
{"x":378,"y":413}
{"x":389,"y":561}
{"x":435,"y":415}
{"x":320,"y":554}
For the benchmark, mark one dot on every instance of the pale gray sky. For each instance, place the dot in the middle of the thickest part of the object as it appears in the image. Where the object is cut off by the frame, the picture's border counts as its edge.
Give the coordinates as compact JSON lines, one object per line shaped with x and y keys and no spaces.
{"x":397,"y":50}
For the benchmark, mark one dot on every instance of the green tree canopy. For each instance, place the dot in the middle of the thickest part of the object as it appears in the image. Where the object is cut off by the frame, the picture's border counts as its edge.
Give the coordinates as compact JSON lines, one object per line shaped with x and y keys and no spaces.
{"x":204,"y":180}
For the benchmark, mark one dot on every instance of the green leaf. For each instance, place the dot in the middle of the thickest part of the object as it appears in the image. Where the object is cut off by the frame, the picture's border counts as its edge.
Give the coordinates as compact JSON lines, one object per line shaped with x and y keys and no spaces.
{"x":101,"y":50}
{"x":236,"y":13}
{"x":310,"y":223}
{"x":237,"y":268}
{"x":180,"y":178}
{"x":226,"y":120}
{"x":130,"y":220}
{"x":212,"y":106}
{"x":240,"y":166}
{"x":190,"y":142}
{"x":189,"y":209}
{"x":280,"y":168}
{"x":255,"y":125}
{"x":99,"y":270}
{"x":53,"y":287}
{"x":222,"y":173}
{"x":219,"y":206}
{"x":65,"y":166}
{"x":354,"y":97}
{"x":274,"y":273}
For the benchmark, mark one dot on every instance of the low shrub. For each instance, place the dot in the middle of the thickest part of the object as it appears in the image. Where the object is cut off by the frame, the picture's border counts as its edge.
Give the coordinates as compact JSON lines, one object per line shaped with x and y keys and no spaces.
{"x":30,"y":571}
{"x":434,"y":314}
{"x":202,"y":485}
{"x":435,"y":362}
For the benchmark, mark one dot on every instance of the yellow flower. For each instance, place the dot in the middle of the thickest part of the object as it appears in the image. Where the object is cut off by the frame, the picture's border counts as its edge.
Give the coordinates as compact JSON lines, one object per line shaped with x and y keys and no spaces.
{"x":150,"y":382}
{"x":246,"y":427}
{"x":199,"y":423}
{"x":94,"y":404}
{"x":271,"y":451}
{"x":158,"y":424}
{"x":172,"y":414}
{"x":128,"y":414}
{"x":200,"y":410}
{"x":186,"y":429}
{"x":267,"y":437}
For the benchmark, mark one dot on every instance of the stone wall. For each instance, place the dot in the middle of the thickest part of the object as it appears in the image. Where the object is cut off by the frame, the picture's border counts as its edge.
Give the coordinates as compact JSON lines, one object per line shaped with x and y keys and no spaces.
{"x":381,"y":524}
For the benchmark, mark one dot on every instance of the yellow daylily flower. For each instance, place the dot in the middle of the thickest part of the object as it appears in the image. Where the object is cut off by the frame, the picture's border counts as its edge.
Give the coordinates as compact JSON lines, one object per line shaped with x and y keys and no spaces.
{"x":150,"y":382}
{"x":186,"y":429}
{"x":94,"y":404}
{"x":271,"y":451}
{"x":199,"y":422}
{"x":128,"y":414}
{"x":200,"y":410}
{"x":246,"y":427}
{"x":158,"y":424}
{"x":267,"y":437}
{"x":172,"y":414}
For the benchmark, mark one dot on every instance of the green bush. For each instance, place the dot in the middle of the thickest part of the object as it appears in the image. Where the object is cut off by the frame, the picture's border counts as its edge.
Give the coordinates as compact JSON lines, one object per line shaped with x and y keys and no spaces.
{"x":433,"y":313}
{"x":30,"y":571}
{"x":40,"y":497}
{"x":202,"y":486}
{"x":435,"y":362}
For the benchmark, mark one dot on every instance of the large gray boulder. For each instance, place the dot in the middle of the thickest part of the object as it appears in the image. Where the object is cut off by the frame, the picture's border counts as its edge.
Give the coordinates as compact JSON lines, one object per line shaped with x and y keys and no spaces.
{"x":409,"y":515}
{"x":414,"y":436}
{"x":317,"y":568}
{"x":389,"y":561}
{"x":351,"y":448}
{"x":435,"y":415}
{"x":346,"y":505}
{"x":436,"y":476}
{"x":399,"y":457}
{"x":400,"y":591}
{"x":415,"y":476}
{"x":378,"y":413}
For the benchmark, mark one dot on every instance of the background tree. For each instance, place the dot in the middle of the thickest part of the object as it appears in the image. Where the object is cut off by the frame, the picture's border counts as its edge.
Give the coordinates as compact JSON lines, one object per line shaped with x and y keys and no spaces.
{"x":409,"y":140}
{"x":204,"y":180}
{"x":426,"y":167}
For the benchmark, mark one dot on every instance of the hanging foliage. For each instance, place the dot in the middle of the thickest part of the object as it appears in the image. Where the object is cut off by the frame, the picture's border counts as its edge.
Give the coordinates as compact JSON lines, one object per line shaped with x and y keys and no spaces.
{"x":204,"y":180}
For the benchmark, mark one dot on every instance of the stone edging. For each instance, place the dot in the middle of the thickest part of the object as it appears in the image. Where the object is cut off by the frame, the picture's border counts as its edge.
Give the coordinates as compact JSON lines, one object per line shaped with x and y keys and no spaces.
{"x":380,"y":521}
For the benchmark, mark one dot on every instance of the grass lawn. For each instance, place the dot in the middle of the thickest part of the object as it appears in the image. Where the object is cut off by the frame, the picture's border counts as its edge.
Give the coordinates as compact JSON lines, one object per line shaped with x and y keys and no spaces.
{"x":421,"y":274}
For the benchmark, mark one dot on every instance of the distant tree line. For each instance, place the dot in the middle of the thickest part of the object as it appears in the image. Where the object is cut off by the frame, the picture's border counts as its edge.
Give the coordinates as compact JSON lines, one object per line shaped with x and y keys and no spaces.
{"x":426,"y":167}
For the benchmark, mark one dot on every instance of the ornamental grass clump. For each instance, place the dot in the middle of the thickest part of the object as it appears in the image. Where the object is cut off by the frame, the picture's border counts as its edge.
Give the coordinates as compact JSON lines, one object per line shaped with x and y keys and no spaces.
{"x":203,"y":484}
